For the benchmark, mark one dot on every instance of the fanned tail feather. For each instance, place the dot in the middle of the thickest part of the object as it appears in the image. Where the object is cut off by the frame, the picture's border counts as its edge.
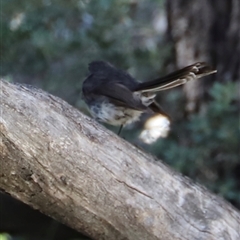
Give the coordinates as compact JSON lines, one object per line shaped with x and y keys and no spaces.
{"x":177,"y":78}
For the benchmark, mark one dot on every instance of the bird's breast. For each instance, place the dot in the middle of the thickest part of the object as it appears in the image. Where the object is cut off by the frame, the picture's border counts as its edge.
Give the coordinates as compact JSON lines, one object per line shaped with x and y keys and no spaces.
{"x":114,"y":115}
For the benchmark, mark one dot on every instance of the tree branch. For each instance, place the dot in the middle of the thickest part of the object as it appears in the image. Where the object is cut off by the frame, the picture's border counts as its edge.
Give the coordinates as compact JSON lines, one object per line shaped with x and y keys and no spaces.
{"x":69,"y":167}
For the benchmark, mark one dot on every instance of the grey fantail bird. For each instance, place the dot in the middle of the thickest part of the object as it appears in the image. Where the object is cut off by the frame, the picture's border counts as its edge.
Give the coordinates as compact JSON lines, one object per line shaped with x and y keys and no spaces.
{"x":115,"y":97}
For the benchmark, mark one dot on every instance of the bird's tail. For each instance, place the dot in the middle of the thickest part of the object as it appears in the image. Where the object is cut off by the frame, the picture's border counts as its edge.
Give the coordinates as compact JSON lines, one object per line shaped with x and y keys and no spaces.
{"x":179,"y":77}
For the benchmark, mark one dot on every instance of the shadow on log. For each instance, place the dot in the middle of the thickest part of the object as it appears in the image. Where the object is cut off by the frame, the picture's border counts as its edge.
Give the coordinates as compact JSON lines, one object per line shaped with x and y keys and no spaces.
{"x":69,"y":167}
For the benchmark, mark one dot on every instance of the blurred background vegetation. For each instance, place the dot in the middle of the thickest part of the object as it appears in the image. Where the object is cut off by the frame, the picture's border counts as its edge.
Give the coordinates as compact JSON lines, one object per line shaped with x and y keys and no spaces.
{"x":49,"y":44}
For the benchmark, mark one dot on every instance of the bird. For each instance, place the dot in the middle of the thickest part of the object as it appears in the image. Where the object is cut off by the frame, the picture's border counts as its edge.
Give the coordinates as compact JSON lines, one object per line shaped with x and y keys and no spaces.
{"x":114,"y":97}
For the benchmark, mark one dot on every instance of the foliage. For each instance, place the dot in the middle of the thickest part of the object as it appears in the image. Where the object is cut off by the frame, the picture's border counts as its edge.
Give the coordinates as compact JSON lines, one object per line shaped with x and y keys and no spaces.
{"x":49,"y":43}
{"x":4,"y":236}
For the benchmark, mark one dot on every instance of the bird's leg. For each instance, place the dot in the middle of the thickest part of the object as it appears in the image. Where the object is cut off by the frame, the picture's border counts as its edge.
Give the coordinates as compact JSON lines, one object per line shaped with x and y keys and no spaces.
{"x":120,"y":129}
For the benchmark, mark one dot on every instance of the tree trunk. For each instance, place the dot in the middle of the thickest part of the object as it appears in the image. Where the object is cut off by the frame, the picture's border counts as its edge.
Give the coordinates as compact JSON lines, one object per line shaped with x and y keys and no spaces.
{"x":206,"y":31}
{"x":69,"y":167}
{"x":225,"y":39}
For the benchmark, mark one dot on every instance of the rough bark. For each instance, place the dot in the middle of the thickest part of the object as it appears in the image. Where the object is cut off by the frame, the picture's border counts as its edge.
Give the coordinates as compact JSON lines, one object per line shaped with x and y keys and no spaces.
{"x":69,"y":167}
{"x":189,"y":24}
{"x":225,"y":38}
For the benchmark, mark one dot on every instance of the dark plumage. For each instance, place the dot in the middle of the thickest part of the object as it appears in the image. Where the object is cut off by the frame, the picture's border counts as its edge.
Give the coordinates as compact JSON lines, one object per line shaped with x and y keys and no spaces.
{"x":115,"y":97}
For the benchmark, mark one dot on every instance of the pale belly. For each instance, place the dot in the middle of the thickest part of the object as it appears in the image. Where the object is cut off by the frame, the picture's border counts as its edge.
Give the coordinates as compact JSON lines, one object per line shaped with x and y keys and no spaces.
{"x":108,"y":113}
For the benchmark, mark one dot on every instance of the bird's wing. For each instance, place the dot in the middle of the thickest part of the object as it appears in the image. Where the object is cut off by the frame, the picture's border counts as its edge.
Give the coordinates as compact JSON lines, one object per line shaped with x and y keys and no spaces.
{"x":121,"y":96}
